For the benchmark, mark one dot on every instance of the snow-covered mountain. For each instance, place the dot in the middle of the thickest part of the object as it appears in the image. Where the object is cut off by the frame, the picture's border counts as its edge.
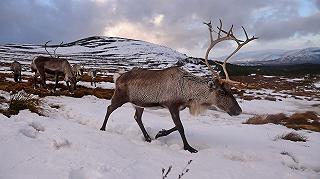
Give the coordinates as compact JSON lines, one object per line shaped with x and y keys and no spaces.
{"x":278,"y":57}
{"x":104,"y":52}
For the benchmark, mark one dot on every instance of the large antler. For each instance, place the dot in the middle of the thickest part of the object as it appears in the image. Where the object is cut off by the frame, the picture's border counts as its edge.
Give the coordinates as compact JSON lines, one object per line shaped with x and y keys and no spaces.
{"x":54,"y":51}
{"x":45,"y":47}
{"x":222,"y":36}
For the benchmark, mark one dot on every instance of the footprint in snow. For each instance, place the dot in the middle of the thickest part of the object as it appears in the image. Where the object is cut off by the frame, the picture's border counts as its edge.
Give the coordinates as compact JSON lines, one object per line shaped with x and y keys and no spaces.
{"x":37,"y":126}
{"x":83,"y":173}
{"x":29,"y":132}
{"x":61,"y":143}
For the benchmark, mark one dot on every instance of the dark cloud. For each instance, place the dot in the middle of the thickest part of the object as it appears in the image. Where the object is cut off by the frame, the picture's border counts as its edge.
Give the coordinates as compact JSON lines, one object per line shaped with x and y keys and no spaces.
{"x":300,"y":26}
{"x":318,"y":3}
{"x":35,"y":21}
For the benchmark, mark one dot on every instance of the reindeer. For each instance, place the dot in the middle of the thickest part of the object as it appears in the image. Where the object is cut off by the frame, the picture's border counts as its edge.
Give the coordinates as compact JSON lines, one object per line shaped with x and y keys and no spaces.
{"x":56,"y":66}
{"x":93,"y":74}
{"x":16,"y":69}
{"x":176,"y":89}
{"x":77,"y":70}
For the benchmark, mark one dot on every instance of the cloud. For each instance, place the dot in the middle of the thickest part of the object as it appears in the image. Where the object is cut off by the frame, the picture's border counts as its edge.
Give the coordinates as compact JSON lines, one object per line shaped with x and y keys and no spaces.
{"x":317,"y":3}
{"x":177,"y":24}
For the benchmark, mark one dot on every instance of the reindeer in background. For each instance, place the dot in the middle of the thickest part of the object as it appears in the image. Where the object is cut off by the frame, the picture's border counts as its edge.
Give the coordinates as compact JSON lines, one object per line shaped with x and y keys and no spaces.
{"x":176,"y":89}
{"x":77,"y":71}
{"x":93,"y":75}
{"x":16,"y":70}
{"x":56,"y":66}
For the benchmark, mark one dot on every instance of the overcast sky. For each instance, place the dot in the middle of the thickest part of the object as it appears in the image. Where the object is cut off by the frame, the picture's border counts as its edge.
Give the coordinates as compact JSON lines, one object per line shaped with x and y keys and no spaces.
{"x":178,"y":24}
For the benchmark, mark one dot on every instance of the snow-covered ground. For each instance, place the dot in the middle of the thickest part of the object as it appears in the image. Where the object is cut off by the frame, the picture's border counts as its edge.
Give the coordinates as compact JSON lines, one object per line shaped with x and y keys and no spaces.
{"x":67,"y":143}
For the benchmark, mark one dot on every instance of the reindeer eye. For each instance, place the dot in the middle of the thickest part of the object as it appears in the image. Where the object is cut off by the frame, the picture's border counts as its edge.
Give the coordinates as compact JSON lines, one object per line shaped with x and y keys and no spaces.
{"x":222,"y":92}
{"x":212,"y":85}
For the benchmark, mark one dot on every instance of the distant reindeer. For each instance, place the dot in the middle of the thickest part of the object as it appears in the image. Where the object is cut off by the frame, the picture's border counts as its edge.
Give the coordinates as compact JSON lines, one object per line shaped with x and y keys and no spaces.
{"x":176,"y":89}
{"x":77,"y":70}
{"x":42,"y":65}
{"x":93,"y":75}
{"x":16,"y":69}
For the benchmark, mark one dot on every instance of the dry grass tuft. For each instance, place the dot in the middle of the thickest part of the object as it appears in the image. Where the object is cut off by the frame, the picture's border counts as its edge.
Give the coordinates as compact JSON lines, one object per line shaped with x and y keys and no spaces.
{"x":264,"y":119}
{"x":20,"y":101}
{"x":293,"y":136}
{"x":308,"y":120}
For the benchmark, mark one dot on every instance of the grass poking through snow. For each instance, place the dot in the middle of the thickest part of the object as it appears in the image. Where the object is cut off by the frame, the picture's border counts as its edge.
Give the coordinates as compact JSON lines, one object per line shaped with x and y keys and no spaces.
{"x":20,"y":101}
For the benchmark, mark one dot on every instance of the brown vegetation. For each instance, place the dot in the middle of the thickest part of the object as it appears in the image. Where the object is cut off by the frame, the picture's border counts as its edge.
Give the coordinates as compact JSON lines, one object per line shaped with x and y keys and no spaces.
{"x":85,"y":77}
{"x":307,"y":120}
{"x":28,"y":87}
{"x":20,"y":101}
{"x":293,"y":136}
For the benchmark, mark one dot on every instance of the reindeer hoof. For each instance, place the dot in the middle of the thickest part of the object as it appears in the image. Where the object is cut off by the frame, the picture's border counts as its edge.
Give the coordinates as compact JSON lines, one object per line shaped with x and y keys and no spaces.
{"x":148,"y":139}
{"x":102,"y":129}
{"x":161,"y":133}
{"x":190,"y":149}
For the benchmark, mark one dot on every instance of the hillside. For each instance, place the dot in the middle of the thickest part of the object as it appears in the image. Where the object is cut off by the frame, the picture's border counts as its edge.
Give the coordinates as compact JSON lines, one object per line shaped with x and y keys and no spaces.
{"x":105,"y":52}
{"x":278,"y":57}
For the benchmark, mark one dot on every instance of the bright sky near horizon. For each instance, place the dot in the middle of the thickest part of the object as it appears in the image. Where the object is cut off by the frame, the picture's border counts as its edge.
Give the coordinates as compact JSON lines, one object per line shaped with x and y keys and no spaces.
{"x":279,"y":24}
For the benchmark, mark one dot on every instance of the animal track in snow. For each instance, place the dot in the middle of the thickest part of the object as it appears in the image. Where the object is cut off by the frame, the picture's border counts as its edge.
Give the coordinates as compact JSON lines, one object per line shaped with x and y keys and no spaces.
{"x":29,"y":132}
{"x":83,"y":173}
{"x":37,"y":126}
{"x":61,"y":143}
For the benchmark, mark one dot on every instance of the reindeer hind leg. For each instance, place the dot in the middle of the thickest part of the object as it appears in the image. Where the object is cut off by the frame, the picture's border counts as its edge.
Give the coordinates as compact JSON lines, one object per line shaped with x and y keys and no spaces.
{"x":174,"y":111}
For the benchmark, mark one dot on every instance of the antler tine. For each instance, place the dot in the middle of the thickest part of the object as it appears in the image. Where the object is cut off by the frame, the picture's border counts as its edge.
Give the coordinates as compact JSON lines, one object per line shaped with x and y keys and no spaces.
{"x":54,"y":51}
{"x":245,"y":32}
{"x":209,"y":24}
{"x":220,"y":28}
{"x":212,"y":43}
{"x":45,"y":47}
{"x":230,"y":31}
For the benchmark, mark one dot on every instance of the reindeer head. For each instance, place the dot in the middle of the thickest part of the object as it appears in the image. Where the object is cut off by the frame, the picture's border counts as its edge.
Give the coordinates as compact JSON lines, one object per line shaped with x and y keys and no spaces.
{"x":222,"y":87}
{"x":224,"y":98}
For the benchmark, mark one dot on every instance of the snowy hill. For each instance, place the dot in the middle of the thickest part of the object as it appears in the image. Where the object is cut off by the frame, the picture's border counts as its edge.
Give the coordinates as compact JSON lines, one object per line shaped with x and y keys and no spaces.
{"x":278,"y":57}
{"x":105,"y":52}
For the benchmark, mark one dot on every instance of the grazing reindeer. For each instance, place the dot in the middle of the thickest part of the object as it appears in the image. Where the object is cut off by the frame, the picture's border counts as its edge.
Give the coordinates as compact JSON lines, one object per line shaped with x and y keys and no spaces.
{"x":77,"y":70}
{"x":54,"y":66}
{"x":16,"y":69}
{"x":176,"y":89}
{"x":93,"y":74}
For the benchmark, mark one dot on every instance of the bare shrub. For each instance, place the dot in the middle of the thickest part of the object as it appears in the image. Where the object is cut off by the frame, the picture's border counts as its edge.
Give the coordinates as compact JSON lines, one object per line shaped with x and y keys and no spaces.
{"x":183,"y":172}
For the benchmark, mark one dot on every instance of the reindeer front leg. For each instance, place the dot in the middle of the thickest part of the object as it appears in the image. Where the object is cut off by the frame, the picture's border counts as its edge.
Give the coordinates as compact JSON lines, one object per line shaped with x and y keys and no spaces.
{"x":174,"y":111}
{"x":137,"y":117}
{"x":56,"y":81}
